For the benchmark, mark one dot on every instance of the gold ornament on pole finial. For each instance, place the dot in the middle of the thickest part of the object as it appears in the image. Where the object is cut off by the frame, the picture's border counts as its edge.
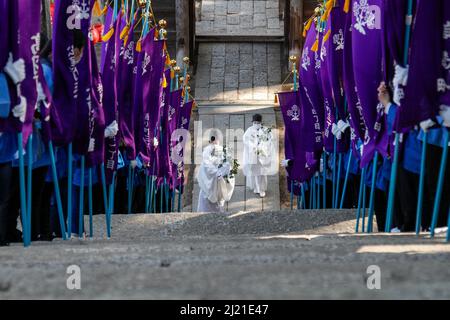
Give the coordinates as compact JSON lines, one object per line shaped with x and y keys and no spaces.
{"x":162,"y":24}
{"x":181,"y":80}
{"x":188,"y":88}
{"x":186,"y":60}
{"x":142,"y":3}
{"x":177,"y":69}
{"x":188,"y":77}
{"x":173,"y":63}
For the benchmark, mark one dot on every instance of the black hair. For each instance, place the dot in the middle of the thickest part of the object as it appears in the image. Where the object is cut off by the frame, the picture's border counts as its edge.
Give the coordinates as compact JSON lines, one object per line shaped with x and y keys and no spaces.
{"x":79,"y":40}
{"x":257,"y":118}
{"x":212,"y":139}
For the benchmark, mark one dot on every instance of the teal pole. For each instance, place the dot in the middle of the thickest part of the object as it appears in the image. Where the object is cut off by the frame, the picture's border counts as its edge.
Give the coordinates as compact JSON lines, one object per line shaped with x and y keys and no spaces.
{"x":62,"y":223}
{"x":105,"y":197}
{"x":303,"y":197}
{"x":292,"y":195}
{"x":69,"y":188}
{"x":391,"y":199}
{"x":361,"y":186}
{"x":347,"y":173}
{"x":81,"y":203}
{"x":324,"y":180}
{"x":372,"y":193}
{"x":91,"y":226}
{"x":23,"y":202}
{"x":440,"y":185}
{"x":338,"y":182}
{"x":29,"y":185}
{"x":421,"y":183}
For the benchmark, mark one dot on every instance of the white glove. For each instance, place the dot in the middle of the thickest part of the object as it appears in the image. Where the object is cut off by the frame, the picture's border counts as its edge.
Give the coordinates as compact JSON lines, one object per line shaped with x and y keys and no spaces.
{"x":20,"y":110}
{"x":15,"y":69}
{"x":40,"y":93}
{"x":224,"y":170}
{"x":133,"y":164}
{"x":285,"y":163}
{"x":445,"y":114}
{"x":339,"y":128}
{"x":91,"y":145}
{"x":427,"y":124}
{"x":112,"y":130}
{"x":155,"y":142}
{"x":400,"y":78}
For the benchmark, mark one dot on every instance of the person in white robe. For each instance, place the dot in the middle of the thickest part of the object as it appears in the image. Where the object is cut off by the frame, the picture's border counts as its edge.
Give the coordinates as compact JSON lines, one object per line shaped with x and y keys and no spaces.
{"x":260,"y":156}
{"x":214,"y":179}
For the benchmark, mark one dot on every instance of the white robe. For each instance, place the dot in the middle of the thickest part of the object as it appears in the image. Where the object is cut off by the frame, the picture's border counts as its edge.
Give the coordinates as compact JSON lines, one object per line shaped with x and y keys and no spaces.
{"x":260,"y":158}
{"x":214,"y":189}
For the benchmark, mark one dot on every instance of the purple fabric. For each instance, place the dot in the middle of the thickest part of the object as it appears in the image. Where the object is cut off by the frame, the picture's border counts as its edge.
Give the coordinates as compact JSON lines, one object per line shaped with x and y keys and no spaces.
{"x":45,"y":109}
{"x":65,"y":75}
{"x":329,"y":103}
{"x":109,"y":77}
{"x":336,"y":57}
{"x":165,"y":167}
{"x":294,"y":151}
{"x":176,"y":104}
{"x":107,"y":25}
{"x":356,"y":119}
{"x":421,"y":99}
{"x":367,"y":67}
{"x":127,"y":63}
{"x":84,"y":100}
{"x":152,"y":76}
{"x":142,"y":120}
{"x":96,"y":113}
{"x":311,"y":101}
{"x":4,"y":32}
{"x":24,"y":44}
{"x":444,"y":98}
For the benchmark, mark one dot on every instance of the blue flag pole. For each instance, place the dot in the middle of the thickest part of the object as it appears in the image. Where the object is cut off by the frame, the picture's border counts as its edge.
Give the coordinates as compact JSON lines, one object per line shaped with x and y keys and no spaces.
{"x":23,"y":202}
{"x":421,"y":183}
{"x":391,"y":199}
{"x":440,"y":185}
{"x":344,"y":189}
{"x":69,"y":189}
{"x":392,"y":185}
{"x":448,"y":227}
{"x":318,"y":190}
{"x":303,"y":197}
{"x":81,"y":203}
{"x":57,"y":193}
{"x":334,"y":175}
{"x":29,"y":186}
{"x":111,"y":205}
{"x":372,"y":193}
{"x":105,"y":197}
{"x":91,"y":226}
{"x":310,"y":194}
{"x":292,"y":195}
{"x":325,"y":180}
{"x":364,"y":207}
{"x":361,"y":186}
{"x":338,"y":182}
{"x":130,"y":187}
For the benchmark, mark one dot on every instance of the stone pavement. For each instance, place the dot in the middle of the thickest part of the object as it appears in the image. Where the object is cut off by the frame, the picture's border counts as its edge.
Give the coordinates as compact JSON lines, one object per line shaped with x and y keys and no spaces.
{"x":240,"y":17}
{"x":235,"y":80}
{"x":238,"y":72}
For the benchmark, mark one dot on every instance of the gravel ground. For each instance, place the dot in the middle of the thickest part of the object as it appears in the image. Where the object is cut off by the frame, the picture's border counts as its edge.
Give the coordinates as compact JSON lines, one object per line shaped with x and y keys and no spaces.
{"x":270,"y":255}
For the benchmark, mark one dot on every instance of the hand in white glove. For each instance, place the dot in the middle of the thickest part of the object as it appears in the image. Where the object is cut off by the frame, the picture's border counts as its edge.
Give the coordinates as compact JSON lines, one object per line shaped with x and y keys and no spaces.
{"x":285,"y":163}
{"x":427,"y":124}
{"x":339,"y":128}
{"x":155,"y":142}
{"x":15,"y":69}
{"x":20,"y":110}
{"x":91,"y":145}
{"x":445,"y":114}
{"x":400,"y":78}
{"x":112,"y":130}
{"x":40,"y":92}
{"x":133,"y":164}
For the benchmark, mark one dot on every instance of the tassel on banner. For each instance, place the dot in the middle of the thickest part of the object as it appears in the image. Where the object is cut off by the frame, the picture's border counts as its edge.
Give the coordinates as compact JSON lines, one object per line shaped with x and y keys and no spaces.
{"x":139,"y":46}
{"x":327,"y":36}
{"x":307,"y":27}
{"x":315,"y":46}
{"x":347,"y":6}
{"x":328,"y":7}
{"x":97,"y":11}
{"x":108,"y":35}
{"x":124,"y":32}
{"x":164,"y":83}
{"x":276,"y":98}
